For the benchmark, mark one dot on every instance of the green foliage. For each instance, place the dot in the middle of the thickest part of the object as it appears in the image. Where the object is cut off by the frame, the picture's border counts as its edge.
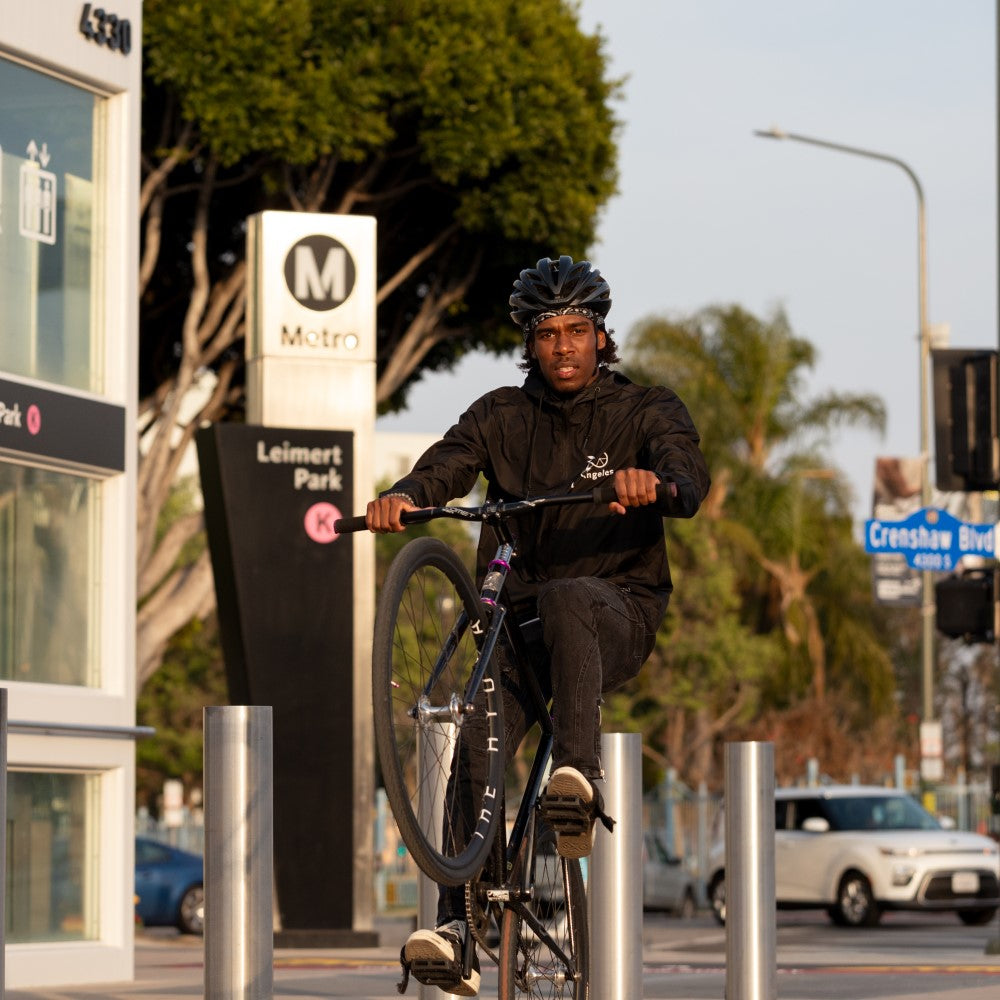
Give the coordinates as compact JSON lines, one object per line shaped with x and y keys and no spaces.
{"x":743,"y":377}
{"x":272,"y":76}
{"x":192,"y":677}
{"x":772,"y":607}
{"x":506,"y":98}
{"x":478,"y":130}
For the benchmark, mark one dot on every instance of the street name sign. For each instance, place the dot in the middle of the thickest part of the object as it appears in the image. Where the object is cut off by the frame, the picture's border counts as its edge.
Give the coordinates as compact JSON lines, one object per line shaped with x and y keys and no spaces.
{"x":931,"y":539}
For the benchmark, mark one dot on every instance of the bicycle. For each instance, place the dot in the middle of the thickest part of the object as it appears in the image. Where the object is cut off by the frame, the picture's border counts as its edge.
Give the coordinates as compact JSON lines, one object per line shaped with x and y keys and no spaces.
{"x":433,"y":659}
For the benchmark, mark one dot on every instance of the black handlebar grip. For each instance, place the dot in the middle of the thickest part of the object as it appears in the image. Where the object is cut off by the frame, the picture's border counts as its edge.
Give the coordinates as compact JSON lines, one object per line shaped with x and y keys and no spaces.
{"x":606,"y":493}
{"x":343,"y":525}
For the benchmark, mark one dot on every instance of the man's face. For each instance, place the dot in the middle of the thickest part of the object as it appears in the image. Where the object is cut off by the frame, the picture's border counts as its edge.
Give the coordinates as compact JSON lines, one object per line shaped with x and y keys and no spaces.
{"x":565,"y":348}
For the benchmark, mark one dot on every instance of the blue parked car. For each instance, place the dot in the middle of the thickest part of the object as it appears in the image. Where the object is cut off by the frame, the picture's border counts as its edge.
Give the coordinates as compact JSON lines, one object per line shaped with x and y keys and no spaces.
{"x":169,"y":887}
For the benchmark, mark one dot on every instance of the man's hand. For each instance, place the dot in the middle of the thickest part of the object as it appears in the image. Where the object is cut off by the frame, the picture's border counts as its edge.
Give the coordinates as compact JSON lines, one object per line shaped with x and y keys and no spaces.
{"x":383,"y":514}
{"x":635,"y":488}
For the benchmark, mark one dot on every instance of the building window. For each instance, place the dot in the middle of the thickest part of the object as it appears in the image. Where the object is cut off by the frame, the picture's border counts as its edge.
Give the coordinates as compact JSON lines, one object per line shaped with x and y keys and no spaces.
{"x":51,"y":147}
{"x":49,"y":579}
{"x":52,"y":856}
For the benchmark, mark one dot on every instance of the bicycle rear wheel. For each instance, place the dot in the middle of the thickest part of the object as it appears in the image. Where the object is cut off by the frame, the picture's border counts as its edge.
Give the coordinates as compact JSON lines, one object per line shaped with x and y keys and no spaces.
{"x":426,"y":625}
{"x":530,"y":966}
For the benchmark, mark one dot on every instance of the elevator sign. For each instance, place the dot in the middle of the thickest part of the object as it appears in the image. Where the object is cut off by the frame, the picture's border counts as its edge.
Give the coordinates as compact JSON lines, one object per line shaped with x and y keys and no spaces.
{"x":313,"y":288}
{"x":931,"y":539}
{"x":38,"y":199}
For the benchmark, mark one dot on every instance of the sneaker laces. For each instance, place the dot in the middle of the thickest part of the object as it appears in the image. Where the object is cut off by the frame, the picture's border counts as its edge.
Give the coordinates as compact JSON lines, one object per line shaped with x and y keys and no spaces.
{"x":405,"y":981}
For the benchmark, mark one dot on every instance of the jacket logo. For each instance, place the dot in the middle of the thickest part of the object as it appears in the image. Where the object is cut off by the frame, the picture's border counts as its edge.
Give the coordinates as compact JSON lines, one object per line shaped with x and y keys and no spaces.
{"x":597,"y":467}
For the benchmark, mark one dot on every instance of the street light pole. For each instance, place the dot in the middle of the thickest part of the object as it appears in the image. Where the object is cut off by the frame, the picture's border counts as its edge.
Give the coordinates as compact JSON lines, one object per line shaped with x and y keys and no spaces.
{"x":927,"y":608}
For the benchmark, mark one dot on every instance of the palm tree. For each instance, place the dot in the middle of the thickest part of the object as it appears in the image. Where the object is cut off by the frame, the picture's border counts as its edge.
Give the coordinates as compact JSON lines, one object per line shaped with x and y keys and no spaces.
{"x":777,"y":508}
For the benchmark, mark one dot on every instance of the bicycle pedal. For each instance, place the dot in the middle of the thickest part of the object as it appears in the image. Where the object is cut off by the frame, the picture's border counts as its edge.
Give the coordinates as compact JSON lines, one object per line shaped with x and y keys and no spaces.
{"x":436,"y":972}
{"x":566,"y":813}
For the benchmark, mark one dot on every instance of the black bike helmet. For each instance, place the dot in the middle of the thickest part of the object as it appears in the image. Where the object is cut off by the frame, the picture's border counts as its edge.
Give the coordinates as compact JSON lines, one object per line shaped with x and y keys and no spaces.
{"x":553,"y":287}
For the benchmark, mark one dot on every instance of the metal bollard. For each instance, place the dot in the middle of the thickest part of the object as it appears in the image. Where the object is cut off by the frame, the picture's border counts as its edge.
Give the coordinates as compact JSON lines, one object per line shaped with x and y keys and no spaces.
{"x":435,"y":744}
{"x":239,"y":839}
{"x":703,"y":835}
{"x":615,"y":873}
{"x":751,"y":932}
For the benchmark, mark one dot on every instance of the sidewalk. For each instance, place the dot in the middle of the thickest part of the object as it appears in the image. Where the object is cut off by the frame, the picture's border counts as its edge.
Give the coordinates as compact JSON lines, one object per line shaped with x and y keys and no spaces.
{"x":681,"y":962}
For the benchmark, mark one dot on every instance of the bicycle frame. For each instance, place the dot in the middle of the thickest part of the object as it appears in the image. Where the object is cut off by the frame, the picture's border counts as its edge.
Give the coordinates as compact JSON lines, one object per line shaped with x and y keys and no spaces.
{"x":514,"y":894}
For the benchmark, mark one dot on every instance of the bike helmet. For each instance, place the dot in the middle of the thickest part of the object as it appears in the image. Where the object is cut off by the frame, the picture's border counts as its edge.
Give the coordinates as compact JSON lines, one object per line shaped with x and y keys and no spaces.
{"x":554,"y":287}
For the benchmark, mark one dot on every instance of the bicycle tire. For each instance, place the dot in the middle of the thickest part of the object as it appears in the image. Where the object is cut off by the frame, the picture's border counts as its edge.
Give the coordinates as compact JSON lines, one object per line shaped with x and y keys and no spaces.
{"x":528,"y":968}
{"x":421,"y":605}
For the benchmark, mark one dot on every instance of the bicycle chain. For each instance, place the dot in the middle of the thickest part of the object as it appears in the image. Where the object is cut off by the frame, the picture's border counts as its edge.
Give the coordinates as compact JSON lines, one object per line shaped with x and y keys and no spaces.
{"x":479,"y":918}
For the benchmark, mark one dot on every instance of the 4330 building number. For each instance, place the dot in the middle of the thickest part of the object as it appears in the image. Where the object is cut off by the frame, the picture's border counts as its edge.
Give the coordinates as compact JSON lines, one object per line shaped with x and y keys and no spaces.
{"x":97,"y":25}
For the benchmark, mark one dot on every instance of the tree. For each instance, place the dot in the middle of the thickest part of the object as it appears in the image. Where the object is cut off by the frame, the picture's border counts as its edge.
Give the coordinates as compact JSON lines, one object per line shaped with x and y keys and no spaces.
{"x":173,"y":701}
{"x":777,"y":525}
{"x":479,"y":133}
{"x":706,"y":672}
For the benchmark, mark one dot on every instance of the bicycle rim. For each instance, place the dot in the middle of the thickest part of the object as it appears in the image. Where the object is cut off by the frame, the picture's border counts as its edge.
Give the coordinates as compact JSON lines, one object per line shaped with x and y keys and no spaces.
{"x":423,"y":658}
{"x":529,"y":967}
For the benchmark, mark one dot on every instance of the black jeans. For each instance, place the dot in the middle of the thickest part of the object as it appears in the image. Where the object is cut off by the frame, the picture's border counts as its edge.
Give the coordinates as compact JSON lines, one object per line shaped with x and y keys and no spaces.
{"x":590,"y":638}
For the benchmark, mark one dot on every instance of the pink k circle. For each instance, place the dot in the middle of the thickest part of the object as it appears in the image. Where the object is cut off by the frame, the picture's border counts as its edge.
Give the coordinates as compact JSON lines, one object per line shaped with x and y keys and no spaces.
{"x":319,"y":522}
{"x":34,"y":419}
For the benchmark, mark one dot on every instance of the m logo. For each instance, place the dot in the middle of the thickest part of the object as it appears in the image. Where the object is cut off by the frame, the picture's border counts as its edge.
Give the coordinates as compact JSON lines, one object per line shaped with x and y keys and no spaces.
{"x":319,"y":272}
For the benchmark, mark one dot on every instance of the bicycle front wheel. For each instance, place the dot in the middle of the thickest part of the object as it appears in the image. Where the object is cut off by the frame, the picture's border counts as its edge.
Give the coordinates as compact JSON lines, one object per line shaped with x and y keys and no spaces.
{"x":546,"y":956}
{"x":427,"y":622}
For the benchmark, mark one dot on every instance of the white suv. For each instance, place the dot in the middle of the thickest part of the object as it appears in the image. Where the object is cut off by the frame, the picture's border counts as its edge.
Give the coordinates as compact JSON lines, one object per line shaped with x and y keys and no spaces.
{"x":856,"y":851}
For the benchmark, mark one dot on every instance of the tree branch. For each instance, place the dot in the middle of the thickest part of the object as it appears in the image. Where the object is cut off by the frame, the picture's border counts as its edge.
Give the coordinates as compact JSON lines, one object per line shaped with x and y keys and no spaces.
{"x":423,"y":332}
{"x":174,"y":604}
{"x":158,"y":175}
{"x":158,"y":565}
{"x":415,"y":261}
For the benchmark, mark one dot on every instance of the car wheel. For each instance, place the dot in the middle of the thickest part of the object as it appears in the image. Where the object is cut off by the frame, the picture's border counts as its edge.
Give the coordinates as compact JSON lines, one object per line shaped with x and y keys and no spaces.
{"x":191,"y":913}
{"x":717,"y":897}
{"x":855,"y":906}
{"x":686,"y":910}
{"x":977,"y":917}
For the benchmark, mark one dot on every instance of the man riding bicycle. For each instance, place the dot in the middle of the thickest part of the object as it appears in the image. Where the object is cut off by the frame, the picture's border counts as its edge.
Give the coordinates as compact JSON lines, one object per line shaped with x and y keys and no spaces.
{"x":597,"y":584}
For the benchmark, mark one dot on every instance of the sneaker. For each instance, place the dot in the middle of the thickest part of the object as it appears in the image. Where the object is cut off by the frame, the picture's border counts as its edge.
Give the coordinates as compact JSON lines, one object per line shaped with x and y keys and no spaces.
{"x":568,"y":806}
{"x":434,"y":958}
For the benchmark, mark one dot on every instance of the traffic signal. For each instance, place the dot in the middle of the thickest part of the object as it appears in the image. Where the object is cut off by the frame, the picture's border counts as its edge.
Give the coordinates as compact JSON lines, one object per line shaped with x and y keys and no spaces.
{"x":966,"y":444}
{"x":965,"y":605}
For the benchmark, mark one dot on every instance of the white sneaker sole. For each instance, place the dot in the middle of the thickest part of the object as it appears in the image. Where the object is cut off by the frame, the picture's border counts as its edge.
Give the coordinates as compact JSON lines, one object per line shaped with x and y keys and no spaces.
{"x":431,"y":949}
{"x":567,"y":782}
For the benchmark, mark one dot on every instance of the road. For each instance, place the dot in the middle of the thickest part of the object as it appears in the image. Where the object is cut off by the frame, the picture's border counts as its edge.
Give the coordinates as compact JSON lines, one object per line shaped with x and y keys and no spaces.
{"x":907,"y":955}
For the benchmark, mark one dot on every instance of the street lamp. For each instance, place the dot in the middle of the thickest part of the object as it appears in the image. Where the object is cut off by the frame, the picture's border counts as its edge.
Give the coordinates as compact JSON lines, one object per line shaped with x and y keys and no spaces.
{"x":927,"y":608}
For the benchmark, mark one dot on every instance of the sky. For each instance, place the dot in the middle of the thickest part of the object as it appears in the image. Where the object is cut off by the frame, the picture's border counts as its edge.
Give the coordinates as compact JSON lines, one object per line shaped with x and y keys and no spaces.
{"x":708,"y":214}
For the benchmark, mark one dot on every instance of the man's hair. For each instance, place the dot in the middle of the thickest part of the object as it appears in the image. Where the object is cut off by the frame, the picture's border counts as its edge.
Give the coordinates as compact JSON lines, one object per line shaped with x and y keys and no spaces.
{"x":607,"y":355}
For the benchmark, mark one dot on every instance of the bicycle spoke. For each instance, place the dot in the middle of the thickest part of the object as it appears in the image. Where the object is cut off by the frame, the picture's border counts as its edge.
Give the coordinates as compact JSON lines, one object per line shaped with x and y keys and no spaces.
{"x":425,"y":655}
{"x":543,"y":946}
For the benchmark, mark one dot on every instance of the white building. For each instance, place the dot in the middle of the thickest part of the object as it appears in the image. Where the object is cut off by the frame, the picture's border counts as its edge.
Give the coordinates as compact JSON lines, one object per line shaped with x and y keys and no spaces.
{"x":70,"y":99}
{"x":396,"y":452}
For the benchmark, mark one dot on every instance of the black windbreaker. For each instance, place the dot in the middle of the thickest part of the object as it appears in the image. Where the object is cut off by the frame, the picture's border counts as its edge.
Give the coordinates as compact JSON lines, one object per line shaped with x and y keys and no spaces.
{"x":530,"y":441}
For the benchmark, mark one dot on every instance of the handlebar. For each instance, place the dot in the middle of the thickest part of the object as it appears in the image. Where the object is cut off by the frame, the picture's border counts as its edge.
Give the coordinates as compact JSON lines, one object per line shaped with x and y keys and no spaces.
{"x":498,"y":510}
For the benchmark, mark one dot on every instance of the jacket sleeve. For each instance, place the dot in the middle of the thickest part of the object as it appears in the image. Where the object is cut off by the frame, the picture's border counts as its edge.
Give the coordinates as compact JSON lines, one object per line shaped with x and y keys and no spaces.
{"x":449,"y":468}
{"x":674,"y":454}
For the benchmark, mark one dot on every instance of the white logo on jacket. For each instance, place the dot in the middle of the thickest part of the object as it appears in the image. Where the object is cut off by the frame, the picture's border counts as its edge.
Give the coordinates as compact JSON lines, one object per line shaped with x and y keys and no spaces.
{"x":597,"y":467}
